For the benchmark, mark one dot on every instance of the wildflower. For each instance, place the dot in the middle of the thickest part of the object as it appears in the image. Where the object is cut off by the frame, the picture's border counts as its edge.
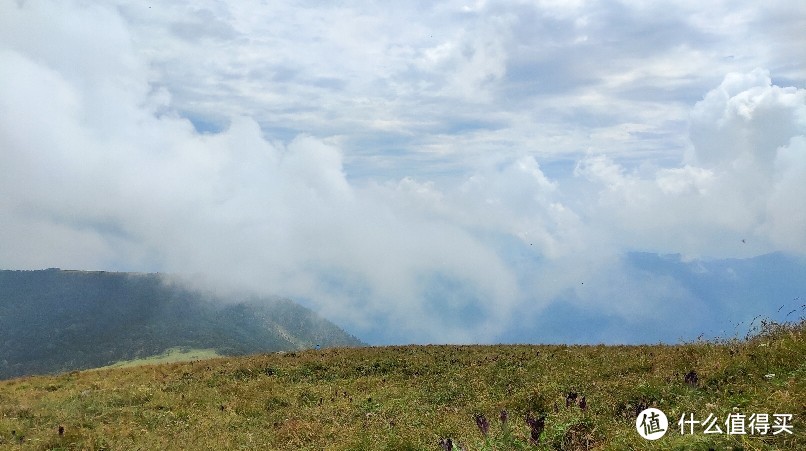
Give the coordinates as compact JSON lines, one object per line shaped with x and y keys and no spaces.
{"x":691,"y":378}
{"x":570,"y":399}
{"x":503,"y":417}
{"x":583,"y":403}
{"x":446,"y":444}
{"x":61,"y":431}
{"x":483,"y":424}
{"x":536,"y":426}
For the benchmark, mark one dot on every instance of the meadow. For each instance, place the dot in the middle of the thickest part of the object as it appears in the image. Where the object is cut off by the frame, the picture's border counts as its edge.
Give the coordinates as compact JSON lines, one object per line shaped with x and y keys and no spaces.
{"x":503,"y":397}
{"x":175,"y":354}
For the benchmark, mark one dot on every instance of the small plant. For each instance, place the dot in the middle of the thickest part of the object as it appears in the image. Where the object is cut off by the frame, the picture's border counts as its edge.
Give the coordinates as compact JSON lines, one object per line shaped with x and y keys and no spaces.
{"x":570,"y":399}
{"x":536,"y":427}
{"x":506,"y":440}
{"x":691,"y":378}
{"x":448,"y":445}
{"x":483,"y":424}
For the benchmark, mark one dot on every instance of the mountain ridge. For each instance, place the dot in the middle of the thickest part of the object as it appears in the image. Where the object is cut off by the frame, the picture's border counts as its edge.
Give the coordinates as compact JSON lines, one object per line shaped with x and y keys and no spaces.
{"x":55,"y":320}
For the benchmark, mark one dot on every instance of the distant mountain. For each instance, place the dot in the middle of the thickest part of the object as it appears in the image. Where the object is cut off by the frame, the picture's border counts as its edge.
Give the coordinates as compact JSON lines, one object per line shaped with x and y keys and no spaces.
{"x":54,"y":320}
{"x":668,"y":298}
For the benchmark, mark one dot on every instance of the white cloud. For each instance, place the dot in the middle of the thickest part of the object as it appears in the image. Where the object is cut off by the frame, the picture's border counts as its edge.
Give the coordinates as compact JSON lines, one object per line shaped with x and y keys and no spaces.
{"x":685,"y":180}
{"x":743,"y":170}
{"x":146,"y":191}
{"x":745,"y":120}
{"x":786,"y":218}
{"x":413,"y":170}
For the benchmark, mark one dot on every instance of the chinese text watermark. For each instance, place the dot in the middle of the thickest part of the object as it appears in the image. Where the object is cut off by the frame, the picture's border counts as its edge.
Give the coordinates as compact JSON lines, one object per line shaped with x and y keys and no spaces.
{"x":653,"y":424}
{"x":738,"y":424}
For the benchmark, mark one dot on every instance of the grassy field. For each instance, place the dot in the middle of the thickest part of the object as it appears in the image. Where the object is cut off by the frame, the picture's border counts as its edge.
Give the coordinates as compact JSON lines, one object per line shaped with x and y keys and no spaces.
{"x":418,"y":397}
{"x":170,"y":356}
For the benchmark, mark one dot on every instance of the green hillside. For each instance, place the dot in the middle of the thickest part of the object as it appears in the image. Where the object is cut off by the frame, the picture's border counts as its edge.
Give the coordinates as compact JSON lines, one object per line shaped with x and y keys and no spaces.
{"x":419,"y":397}
{"x":53,"y":321}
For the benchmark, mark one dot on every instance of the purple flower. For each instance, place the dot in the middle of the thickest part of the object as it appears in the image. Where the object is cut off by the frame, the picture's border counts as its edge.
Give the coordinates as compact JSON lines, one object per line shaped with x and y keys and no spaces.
{"x":536,"y":425}
{"x":570,"y":399}
{"x":482,"y":423}
{"x":583,"y":403}
{"x":691,"y":378}
{"x":503,"y":417}
{"x":446,"y":444}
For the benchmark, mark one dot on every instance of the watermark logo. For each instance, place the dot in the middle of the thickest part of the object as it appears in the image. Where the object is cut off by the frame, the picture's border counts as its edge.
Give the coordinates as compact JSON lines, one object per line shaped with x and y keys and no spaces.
{"x":652,"y":424}
{"x":738,"y":424}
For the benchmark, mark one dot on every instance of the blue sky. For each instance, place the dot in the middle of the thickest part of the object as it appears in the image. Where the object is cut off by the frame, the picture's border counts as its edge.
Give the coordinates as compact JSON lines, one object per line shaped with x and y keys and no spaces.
{"x":419,"y":171}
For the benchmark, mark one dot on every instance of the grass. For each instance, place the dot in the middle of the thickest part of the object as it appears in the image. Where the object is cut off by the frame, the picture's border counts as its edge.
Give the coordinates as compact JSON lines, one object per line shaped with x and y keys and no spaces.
{"x":170,"y":356}
{"x":414,"y":397}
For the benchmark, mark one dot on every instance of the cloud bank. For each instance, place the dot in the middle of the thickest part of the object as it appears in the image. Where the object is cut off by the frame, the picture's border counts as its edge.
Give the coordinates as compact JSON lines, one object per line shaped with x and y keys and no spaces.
{"x":394,"y":213}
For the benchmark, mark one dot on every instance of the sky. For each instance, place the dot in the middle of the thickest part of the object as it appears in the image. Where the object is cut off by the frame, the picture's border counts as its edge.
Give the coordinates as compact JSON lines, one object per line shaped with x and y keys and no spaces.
{"x":417,"y":172}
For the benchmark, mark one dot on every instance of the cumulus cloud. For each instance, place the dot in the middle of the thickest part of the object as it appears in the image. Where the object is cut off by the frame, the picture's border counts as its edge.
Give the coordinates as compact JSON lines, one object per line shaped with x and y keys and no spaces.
{"x":131,"y":188}
{"x":746,"y":152}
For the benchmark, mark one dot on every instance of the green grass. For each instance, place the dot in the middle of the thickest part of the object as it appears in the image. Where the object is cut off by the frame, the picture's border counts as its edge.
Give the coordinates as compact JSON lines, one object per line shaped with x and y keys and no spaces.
{"x":411,"y":397}
{"x":172,"y":355}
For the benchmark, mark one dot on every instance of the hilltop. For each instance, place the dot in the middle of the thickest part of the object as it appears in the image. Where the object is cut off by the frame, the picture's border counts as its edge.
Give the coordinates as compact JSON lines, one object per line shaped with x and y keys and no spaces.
{"x":55,"y":320}
{"x":414,"y":397}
